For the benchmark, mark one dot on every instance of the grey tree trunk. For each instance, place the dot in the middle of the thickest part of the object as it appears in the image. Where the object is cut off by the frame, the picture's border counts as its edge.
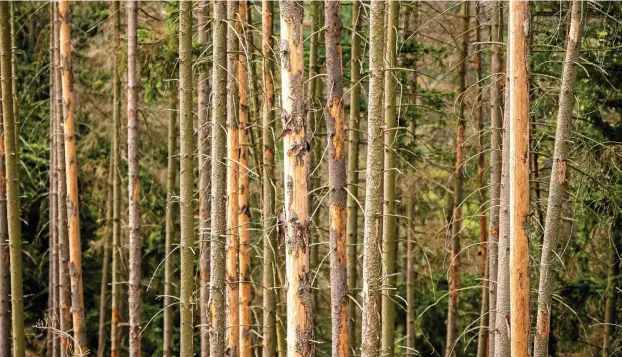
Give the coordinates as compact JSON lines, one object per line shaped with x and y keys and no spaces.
{"x":373,"y":202}
{"x":558,"y":187}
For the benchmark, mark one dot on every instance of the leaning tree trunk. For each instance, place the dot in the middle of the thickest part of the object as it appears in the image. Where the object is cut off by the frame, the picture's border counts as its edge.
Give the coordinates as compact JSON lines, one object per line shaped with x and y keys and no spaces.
{"x":496,"y":127}
{"x":71,"y":164}
{"x":133,"y":181}
{"x":451,"y":348}
{"x":389,"y":221}
{"x":204,"y":180}
{"x":218,"y":179}
{"x":335,"y":124}
{"x":373,"y":202}
{"x":295,"y":168}
{"x":519,"y":178}
{"x":186,"y":180}
{"x":270,"y":244}
{"x":558,"y":194}
{"x":352,"y":176}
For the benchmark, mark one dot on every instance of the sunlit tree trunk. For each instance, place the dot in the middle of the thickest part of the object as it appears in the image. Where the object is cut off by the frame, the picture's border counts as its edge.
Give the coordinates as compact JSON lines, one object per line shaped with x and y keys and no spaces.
{"x":519,"y":178}
{"x":186,"y":181}
{"x":71,"y":165}
{"x":373,"y":181}
{"x":218,"y":179}
{"x":295,"y":147}
{"x":456,"y":222}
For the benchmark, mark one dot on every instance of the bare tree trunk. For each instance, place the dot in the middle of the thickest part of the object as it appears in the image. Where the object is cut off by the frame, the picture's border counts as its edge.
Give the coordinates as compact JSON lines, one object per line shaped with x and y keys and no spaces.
{"x":5,"y":318}
{"x":373,"y":202}
{"x":52,"y":199}
{"x":519,"y":178}
{"x":300,"y":332}
{"x":610,"y":292}
{"x":335,"y":123}
{"x":103,"y":305}
{"x":558,"y":187}
{"x":233,"y":159}
{"x":71,"y":164}
{"x":205,"y":170}
{"x":389,"y":224}
{"x":496,"y":126}
{"x":14,"y":86}
{"x":451,"y":348}
{"x":352,"y":175}
{"x":219,"y":172}
{"x":186,"y":180}
{"x":167,"y":344}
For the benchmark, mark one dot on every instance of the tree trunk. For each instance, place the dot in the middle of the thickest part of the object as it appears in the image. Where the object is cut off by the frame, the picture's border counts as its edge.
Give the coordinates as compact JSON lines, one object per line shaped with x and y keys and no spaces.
{"x":186,"y":180}
{"x":496,"y":126}
{"x":270,"y":244}
{"x":5,"y":319}
{"x":373,"y":202}
{"x":204,"y":179}
{"x":52,"y":341}
{"x":558,"y":187}
{"x":14,"y":86}
{"x":519,"y":178}
{"x":115,"y":329}
{"x":233,"y":159}
{"x":300,"y":333}
{"x":103,"y":305}
{"x":71,"y":164}
{"x":335,"y":124}
{"x":610,"y":292}
{"x":389,"y":221}
{"x":451,"y":348}
{"x":219,"y":172}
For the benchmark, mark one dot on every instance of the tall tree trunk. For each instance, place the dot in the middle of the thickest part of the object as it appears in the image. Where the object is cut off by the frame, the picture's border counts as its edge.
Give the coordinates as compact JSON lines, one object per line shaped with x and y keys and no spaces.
{"x":613,"y":274}
{"x":519,"y":178}
{"x":558,"y":187}
{"x":335,"y":124}
{"x":233,"y":159}
{"x":244,"y":218}
{"x":205,"y":170}
{"x":219,"y":172}
{"x":103,"y":295}
{"x":115,"y":329}
{"x":186,"y":180}
{"x":482,"y":341}
{"x":389,"y":222}
{"x":295,"y":146}
{"x":373,"y":202}
{"x":52,"y":199}
{"x":496,"y":128}
{"x":71,"y":164}
{"x":270,"y":244}
{"x":352,"y":208}
{"x":12,"y":182}
{"x":5,"y":318}
{"x":456,"y":222}
{"x":14,"y":86}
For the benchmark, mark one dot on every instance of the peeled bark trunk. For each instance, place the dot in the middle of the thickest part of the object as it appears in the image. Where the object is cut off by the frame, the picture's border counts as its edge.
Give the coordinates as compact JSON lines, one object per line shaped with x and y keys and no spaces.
{"x":218,"y":179}
{"x":335,"y":124}
{"x":496,"y":128}
{"x":270,"y":244}
{"x":373,"y":202}
{"x":71,"y":164}
{"x":558,"y":187}
{"x":451,"y":349}
{"x":103,"y":294}
{"x":233,"y":159}
{"x":295,"y":147}
{"x":389,"y":221}
{"x":352,"y":175}
{"x":186,"y":181}
{"x":204,"y":180}
{"x":519,"y":178}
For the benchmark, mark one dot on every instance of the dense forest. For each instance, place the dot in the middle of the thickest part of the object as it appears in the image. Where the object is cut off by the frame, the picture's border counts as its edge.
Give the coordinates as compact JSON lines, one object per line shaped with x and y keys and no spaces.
{"x":251,"y":178}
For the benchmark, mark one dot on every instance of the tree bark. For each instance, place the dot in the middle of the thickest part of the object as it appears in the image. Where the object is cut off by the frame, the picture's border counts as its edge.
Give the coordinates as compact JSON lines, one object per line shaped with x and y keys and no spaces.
{"x":352,"y":176}
{"x":389,"y":221}
{"x":103,"y":295}
{"x":219,"y":172}
{"x":496,"y":126}
{"x":373,"y":202}
{"x":335,"y":124}
{"x":5,"y":301}
{"x":186,"y":180}
{"x":71,"y":164}
{"x":14,"y":86}
{"x":52,"y":200}
{"x":270,"y":244}
{"x":519,"y":178}
{"x":451,"y":349}
{"x":300,"y":332}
